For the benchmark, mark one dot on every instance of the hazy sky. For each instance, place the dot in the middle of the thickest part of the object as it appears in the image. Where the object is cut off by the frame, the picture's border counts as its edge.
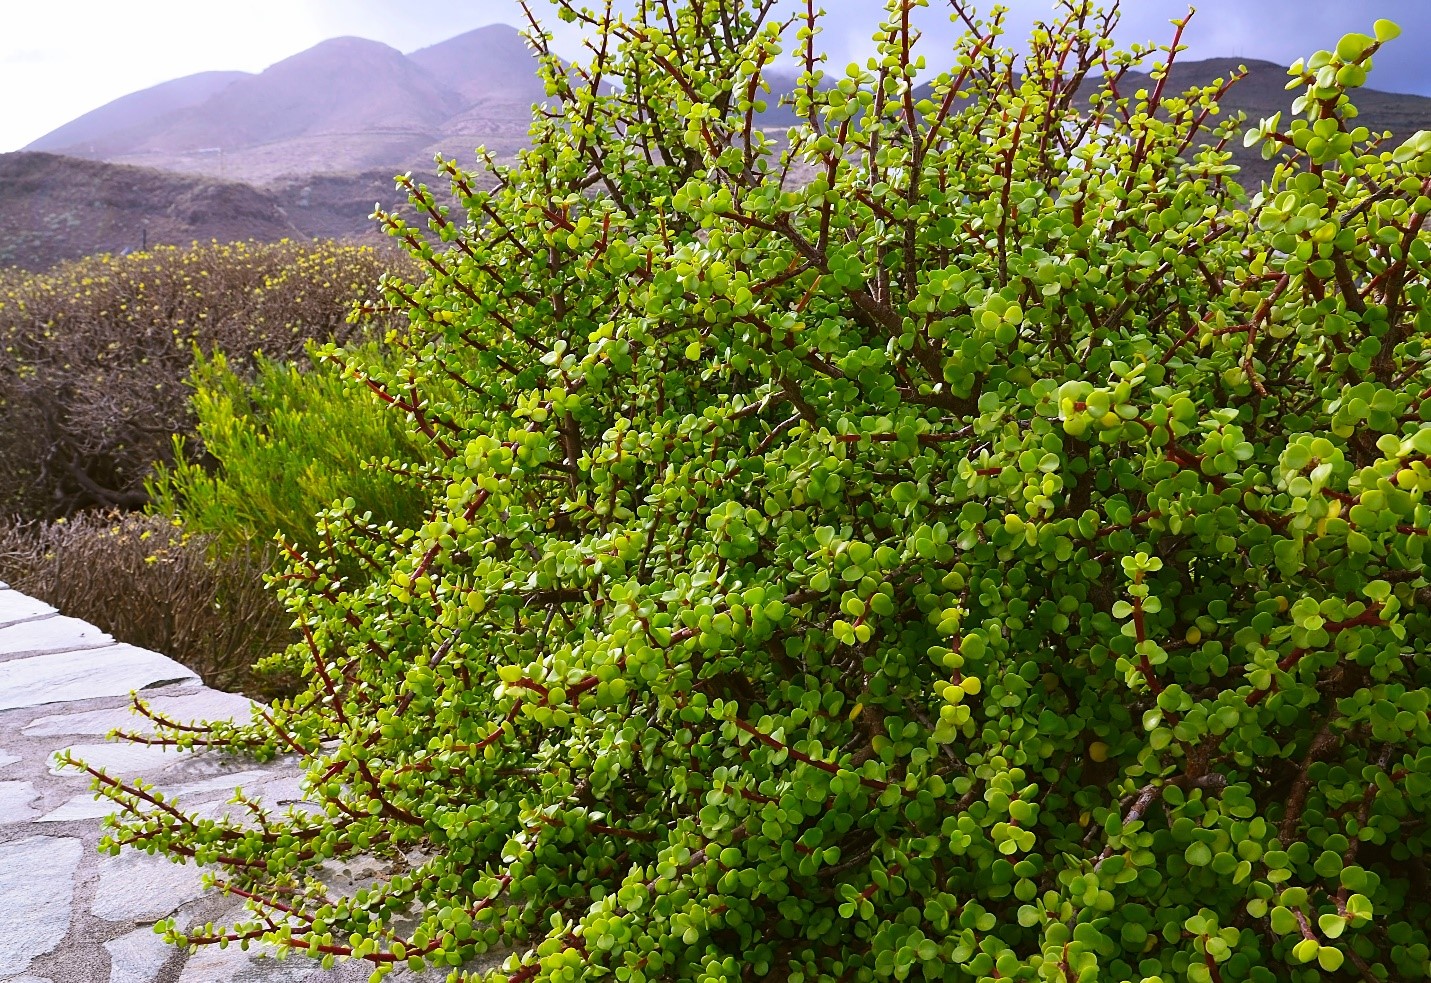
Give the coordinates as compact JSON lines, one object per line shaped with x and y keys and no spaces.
{"x":61,"y":59}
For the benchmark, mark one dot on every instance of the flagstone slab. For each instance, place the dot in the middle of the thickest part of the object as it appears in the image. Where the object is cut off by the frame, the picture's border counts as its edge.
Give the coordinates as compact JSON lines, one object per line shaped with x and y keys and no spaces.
{"x":17,"y":802}
{"x":56,"y":634}
{"x":87,"y":806}
{"x":137,"y":957}
{"x":210,"y":964}
{"x":69,"y":676}
{"x":136,"y":887}
{"x":124,"y":759}
{"x":36,"y":891}
{"x":67,"y":683}
{"x":207,"y":704}
{"x":16,"y":607}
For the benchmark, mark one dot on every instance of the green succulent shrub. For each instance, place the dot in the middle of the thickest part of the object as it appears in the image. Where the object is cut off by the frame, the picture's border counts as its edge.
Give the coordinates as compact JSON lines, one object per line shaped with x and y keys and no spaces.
{"x":963,"y":537}
{"x":283,"y":446}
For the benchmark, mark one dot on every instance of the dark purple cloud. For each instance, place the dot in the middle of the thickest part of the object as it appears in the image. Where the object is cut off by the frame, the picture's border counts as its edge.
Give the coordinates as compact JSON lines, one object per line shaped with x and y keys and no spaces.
{"x":1276,"y":30}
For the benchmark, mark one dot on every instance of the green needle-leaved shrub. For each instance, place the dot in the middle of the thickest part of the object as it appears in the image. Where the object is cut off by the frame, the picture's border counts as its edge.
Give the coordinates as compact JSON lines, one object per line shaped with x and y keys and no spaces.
{"x":960,"y":538}
{"x":282,"y":447}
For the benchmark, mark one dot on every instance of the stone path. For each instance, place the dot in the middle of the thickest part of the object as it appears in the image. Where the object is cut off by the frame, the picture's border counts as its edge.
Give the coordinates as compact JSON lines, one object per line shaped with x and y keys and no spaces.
{"x":68,"y":914}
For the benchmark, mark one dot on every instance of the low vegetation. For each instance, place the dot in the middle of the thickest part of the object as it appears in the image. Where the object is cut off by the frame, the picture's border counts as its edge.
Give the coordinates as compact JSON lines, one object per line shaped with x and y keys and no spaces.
{"x":104,"y":361}
{"x":999,"y":558}
{"x":147,"y":582}
{"x":94,"y":355}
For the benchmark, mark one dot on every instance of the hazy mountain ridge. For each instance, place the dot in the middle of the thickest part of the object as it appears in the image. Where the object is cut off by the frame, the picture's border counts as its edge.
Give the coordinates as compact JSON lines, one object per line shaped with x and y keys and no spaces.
{"x":348,"y":105}
{"x":344,"y":105}
{"x":95,"y":129}
{"x":308,"y":145}
{"x":1263,"y":93}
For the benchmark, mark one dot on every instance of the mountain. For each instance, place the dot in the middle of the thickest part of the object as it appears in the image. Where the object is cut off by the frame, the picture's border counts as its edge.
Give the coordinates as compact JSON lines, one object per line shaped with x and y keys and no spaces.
{"x":343,"y":106}
{"x":348,"y":105}
{"x":339,"y":86}
{"x":488,"y":66}
{"x":494,"y":73}
{"x":340,"y":206}
{"x":1262,"y":93}
{"x":101,"y":130}
{"x":56,"y":208}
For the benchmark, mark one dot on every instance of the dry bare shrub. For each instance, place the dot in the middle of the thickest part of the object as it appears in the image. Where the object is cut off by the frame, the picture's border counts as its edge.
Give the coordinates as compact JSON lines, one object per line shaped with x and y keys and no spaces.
{"x":94,"y":354}
{"x":147,"y":582}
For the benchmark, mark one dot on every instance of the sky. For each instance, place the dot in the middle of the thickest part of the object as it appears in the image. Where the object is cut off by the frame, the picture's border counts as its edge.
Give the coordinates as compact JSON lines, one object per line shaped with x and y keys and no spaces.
{"x":59,"y":60}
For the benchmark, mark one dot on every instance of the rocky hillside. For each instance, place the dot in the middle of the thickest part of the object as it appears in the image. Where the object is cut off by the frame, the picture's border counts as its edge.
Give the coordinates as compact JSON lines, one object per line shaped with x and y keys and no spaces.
{"x":1262,"y":93}
{"x":54,"y":208}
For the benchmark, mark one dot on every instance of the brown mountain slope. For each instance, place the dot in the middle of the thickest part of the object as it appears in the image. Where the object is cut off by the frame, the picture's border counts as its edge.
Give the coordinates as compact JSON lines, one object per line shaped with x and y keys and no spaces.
{"x":342,"y":106}
{"x":490,"y":65}
{"x":339,"y":86}
{"x":54,"y":208}
{"x":1262,"y":93}
{"x":340,"y":206}
{"x":495,"y":73}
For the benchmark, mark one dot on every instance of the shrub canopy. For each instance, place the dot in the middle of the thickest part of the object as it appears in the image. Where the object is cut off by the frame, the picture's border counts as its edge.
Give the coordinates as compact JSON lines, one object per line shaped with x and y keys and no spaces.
{"x":997,"y":555}
{"x":149,"y":582}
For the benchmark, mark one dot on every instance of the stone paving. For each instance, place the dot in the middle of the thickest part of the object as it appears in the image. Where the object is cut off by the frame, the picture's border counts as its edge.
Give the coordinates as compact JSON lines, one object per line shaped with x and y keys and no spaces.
{"x":68,"y":914}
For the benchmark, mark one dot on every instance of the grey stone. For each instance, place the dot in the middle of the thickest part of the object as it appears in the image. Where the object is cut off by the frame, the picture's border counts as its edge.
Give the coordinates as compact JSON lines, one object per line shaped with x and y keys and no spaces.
{"x":280,"y":788}
{"x":137,"y":957}
{"x":36,"y":889}
{"x":250,"y":781}
{"x":166,"y":766}
{"x":7,"y":759}
{"x":210,"y":964}
{"x":57,"y":634}
{"x":276,"y":796}
{"x":137,"y":887}
{"x":16,"y":607}
{"x":115,"y":671}
{"x":24,"y":979}
{"x":121,"y":758}
{"x":207,"y":704}
{"x":346,"y":877}
{"x":16,"y":800}
{"x":87,"y":806}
